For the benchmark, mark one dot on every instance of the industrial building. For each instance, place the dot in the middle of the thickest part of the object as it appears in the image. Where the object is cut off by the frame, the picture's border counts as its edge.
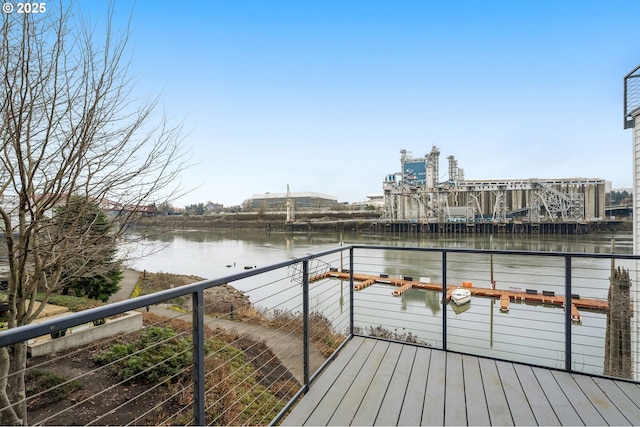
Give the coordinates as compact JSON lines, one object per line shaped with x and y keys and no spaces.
{"x":415,"y":194}
{"x":278,"y":201}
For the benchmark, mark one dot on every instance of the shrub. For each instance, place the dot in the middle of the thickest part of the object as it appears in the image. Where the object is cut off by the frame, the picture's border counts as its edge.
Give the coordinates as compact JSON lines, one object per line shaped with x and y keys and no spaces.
{"x":159,"y":354}
{"x":53,"y":387}
{"x":381,"y":332}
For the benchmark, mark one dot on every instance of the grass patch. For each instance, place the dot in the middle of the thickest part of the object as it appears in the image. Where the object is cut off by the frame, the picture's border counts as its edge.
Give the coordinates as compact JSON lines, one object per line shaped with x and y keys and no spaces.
{"x":151,"y":283}
{"x":73,"y":303}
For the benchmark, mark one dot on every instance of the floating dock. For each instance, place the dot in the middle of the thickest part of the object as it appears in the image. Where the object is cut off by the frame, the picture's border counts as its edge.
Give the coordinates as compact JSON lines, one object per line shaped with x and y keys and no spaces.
{"x":505,"y":296}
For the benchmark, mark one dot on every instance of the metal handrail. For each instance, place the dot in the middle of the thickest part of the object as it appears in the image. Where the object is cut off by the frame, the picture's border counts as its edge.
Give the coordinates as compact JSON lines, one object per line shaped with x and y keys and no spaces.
{"x":26,"y":332}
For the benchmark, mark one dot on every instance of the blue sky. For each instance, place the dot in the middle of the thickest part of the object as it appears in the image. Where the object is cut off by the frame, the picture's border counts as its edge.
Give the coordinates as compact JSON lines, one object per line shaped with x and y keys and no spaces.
{"x":322,"y":95}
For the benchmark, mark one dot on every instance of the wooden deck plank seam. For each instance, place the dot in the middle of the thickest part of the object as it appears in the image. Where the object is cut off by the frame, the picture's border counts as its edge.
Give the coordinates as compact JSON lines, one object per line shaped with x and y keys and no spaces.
{"x":565,"y":416}
{"x":400,"y":379}
{"x":424,"y":397}
{"x":386,"y":389}
{"x":315,"y":394}
{"x":448,"y":384}
{"x":433,"y":410}
{"x":471,"y":367}
{"x":497,"y":404}
{"x":487,"y":398}
{"x":357,"y":377}
{"x":632,"y":398}
{"x":417,"y":384}
{"x":577,"y":398}
{"x":543,"y":412}
{"x":618,"y":404}
{"x":347,"y":385}
{"x":404,"y":395}
{"x":525,"y":389}
{"x":601,"y":401}
{"x":368,"y":418}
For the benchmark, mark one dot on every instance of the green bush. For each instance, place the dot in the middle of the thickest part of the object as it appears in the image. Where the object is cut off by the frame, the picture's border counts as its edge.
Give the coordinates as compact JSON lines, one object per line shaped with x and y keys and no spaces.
{"x":53,"y":386}
{"x":99,"y":287}
{"x":158,"y":355}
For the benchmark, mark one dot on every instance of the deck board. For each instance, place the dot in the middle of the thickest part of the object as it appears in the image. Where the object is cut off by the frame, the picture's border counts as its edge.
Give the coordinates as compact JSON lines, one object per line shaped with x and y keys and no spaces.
{"x":390,"y":409}
{"x":455,"y":412}
{"x":378,"y":382}
{"x":579,"y":401}
{"x":433,"y":411}
{"x":601,"y":402}
{"x":519,"y":406}
{"x":411,"y":411}
{"x":474,"y":396}
{"x":556,"y":397}
{"x":306,"y":406}
{"x":331,"y":399}
{"x":494,"y":393}
{"x":346,"y":410}
{"x":631,"y":390}
{"x":628,"y":408}
{"x":370,"y":405}
{"x":538,"y":402}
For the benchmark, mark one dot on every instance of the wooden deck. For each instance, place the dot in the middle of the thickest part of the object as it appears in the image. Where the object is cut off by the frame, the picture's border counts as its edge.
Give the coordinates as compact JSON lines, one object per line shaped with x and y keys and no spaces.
{"x":374,"y":382}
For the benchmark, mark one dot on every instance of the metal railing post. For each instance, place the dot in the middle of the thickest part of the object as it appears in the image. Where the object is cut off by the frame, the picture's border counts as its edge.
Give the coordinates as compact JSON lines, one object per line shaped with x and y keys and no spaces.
{"x":567,"y":312}
{"x":351,"y":293}
{"x":444,"y":300}
{"x":198,"y":357}
{"x":305,"y":310}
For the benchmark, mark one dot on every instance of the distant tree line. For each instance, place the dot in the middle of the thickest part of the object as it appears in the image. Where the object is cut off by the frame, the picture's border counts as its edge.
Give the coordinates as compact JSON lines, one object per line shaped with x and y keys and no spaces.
{"x":195,"y":209}
{"x":616,"y":198}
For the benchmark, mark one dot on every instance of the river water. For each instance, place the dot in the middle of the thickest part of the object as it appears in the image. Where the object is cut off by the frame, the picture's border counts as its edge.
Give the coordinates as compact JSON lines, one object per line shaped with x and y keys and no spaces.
{"x":212,"y":254}
{"x":527,"y":333}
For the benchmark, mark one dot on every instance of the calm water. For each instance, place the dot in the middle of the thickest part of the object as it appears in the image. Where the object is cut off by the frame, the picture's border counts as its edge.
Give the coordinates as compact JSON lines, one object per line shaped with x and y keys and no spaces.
{"x":529,"y":333}
{"x":212,"y":254}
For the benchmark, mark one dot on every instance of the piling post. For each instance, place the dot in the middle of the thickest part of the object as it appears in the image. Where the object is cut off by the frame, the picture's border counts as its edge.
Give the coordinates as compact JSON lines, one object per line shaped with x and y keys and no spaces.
{"x":617,"y":352}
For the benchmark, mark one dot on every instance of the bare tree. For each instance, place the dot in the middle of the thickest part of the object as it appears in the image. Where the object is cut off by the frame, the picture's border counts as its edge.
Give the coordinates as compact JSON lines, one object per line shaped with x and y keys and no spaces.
{"x":69,"y":128}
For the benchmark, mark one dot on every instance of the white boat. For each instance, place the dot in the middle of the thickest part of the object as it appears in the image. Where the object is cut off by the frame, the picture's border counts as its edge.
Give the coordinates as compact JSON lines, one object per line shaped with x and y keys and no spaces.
{"x":461,"y":296}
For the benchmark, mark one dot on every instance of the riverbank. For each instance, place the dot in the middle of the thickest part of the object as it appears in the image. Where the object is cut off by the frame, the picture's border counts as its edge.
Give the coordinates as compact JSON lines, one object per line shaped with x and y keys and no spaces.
{"x":308,"y":221}
{"x":367,"y":221}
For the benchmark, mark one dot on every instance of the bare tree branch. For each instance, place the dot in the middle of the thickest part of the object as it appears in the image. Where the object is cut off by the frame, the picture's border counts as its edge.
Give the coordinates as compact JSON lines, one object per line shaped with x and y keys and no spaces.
{"x":69,"y":127}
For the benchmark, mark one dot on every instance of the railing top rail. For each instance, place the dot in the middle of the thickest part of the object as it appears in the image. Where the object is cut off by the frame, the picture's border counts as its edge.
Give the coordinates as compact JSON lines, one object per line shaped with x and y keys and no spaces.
{"x":26,"y":332}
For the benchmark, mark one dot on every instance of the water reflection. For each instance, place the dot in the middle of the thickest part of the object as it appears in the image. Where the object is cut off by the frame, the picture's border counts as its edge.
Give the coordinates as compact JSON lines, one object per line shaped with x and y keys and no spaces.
{"x":431,"y":300}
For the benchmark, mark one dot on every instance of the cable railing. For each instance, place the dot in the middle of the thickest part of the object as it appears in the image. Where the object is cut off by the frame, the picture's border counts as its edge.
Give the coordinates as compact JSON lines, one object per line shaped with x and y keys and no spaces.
{"x":517,"y":308}
{"x":189,"y":356}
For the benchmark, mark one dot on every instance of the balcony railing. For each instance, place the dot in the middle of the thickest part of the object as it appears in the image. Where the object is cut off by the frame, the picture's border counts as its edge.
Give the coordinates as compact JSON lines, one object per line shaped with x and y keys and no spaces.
{"x":199,"y":360}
